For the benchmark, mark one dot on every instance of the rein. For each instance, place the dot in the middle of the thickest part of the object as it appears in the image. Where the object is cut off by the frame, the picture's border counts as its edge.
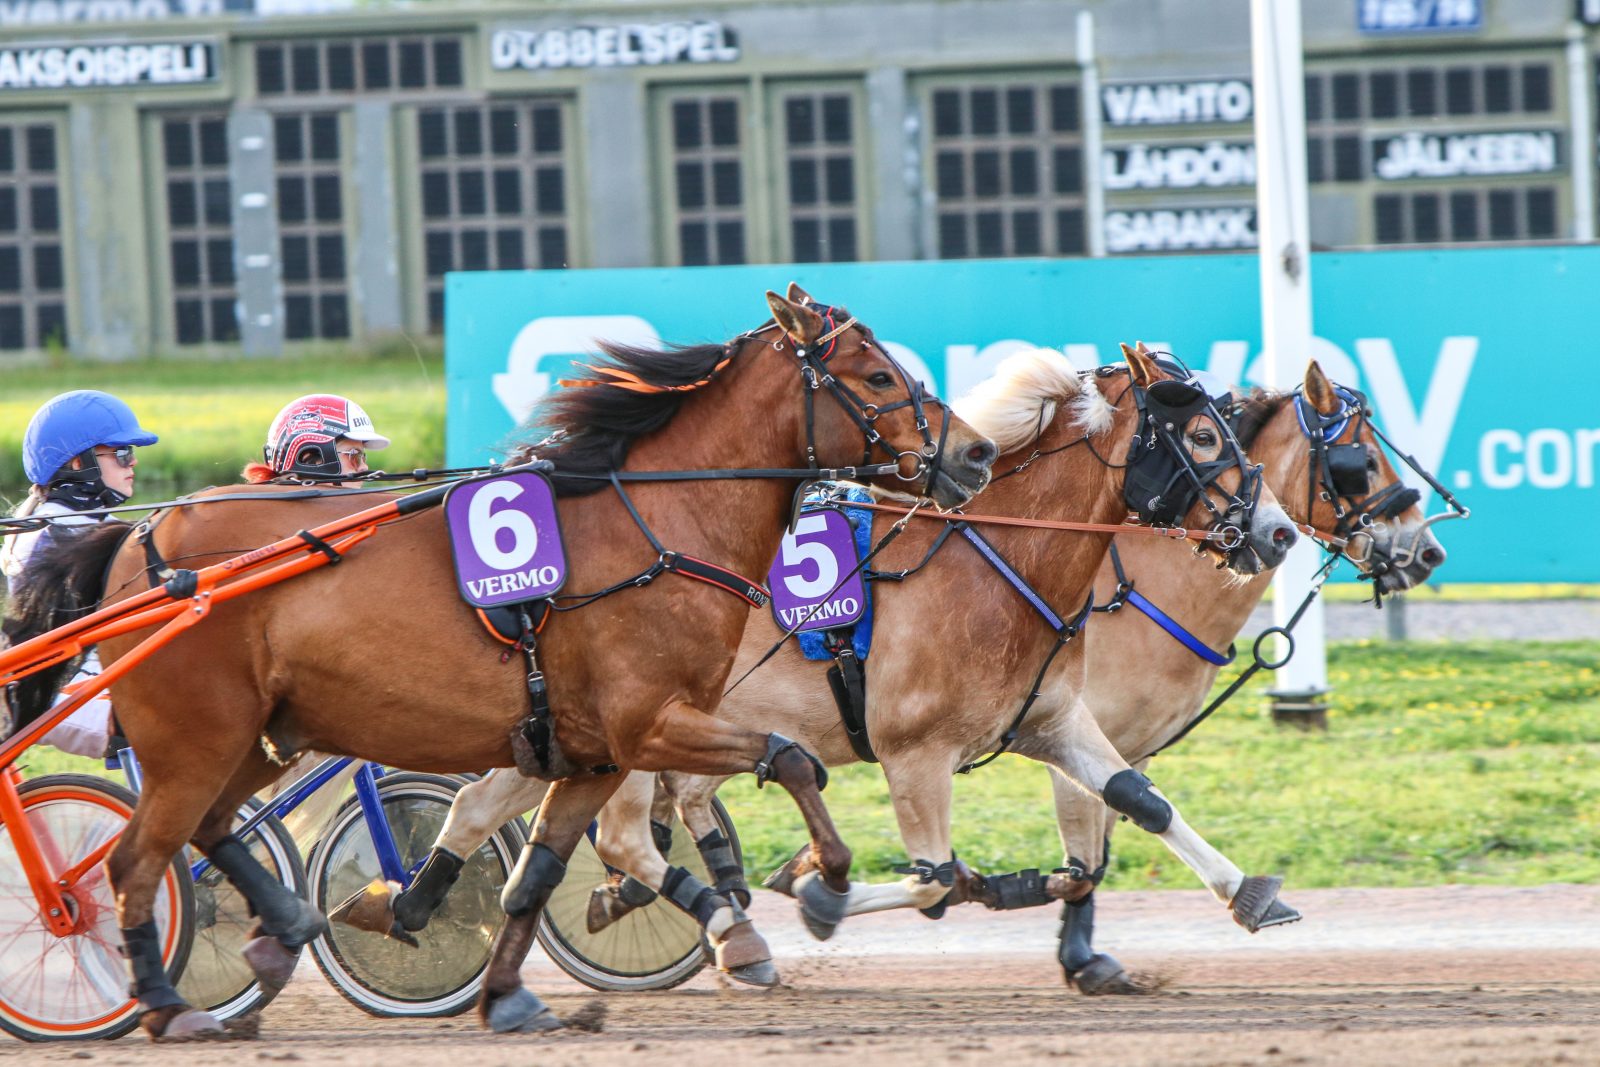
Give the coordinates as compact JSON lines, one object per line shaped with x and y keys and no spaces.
{"x":1224,"y":538}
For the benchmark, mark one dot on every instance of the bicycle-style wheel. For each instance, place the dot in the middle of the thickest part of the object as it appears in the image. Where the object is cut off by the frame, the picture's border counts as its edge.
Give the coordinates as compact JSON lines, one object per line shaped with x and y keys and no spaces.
{"x":376,"y":973}
{"x":653,"y":947}
{"x":75,"y":988}
{"x":217,"y":977}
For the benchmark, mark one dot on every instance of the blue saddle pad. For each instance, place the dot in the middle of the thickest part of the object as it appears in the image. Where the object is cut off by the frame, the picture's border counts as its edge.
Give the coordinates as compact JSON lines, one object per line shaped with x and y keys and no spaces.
{"x":861,"y":520}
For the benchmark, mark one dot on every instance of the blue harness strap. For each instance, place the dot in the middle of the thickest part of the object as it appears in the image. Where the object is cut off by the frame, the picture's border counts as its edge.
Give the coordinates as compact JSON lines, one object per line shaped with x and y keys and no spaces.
{"x":995,"y":560}
{"x":1182,"y":636}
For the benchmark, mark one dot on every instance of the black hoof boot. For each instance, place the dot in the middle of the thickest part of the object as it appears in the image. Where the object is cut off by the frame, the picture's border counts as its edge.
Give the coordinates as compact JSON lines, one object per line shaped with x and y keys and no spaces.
{"x":1256,"y":905}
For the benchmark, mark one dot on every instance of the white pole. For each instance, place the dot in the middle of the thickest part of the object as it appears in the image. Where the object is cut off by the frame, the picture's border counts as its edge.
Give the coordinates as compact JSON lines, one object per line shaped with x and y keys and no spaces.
{"x":1094,"y":190}
{"x":1582,"y":133}
{"x":1283,"y":221}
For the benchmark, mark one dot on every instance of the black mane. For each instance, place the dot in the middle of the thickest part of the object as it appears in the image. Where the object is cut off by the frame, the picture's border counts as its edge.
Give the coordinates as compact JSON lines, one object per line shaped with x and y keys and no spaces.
{"x":602,"y":421}
{"x":1253,"y":413}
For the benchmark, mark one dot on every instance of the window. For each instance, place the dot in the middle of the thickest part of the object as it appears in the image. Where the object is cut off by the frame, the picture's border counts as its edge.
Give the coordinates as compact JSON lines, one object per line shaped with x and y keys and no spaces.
{"x":405,"y":64}
{"x":820,"y":176}
{"x":32,"y":273}
{"x":310,"y":198}
{"x":706,"y":166}
{"x":194,"y":150}
{"x":1007,"y":169}
{"x":1431,"y":216}
{"x":493,"y":190}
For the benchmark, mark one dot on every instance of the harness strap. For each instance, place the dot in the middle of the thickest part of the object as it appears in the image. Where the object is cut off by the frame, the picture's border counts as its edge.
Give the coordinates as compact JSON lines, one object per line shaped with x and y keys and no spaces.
{"x":1182,"y":636}
{"x":320,"y":545}
{"x":1005,"y":570}
{"x":849,"y":684}
{"x":157,"y":569}
{"x":721,"y":577}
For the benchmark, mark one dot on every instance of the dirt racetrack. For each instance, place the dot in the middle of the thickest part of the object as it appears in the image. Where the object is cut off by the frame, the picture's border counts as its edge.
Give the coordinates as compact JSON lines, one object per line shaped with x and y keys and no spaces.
{"x":1450,"y":976}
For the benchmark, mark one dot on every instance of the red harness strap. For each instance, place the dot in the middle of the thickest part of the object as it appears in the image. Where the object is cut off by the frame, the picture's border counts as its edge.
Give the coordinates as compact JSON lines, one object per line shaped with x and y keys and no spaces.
{"x":755,"y":595}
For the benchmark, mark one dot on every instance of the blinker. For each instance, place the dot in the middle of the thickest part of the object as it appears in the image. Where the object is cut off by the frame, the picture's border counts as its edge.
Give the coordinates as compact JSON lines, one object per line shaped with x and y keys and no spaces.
{"x":1347,"y":466}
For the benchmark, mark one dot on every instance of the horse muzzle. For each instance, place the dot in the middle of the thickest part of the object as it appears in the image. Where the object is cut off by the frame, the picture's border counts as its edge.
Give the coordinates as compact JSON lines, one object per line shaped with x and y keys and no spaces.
{"x":962,"y":472}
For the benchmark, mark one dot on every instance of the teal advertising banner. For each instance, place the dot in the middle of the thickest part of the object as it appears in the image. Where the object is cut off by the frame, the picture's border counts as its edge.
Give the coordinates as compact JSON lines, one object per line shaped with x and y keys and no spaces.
{"x":1481,"y":363}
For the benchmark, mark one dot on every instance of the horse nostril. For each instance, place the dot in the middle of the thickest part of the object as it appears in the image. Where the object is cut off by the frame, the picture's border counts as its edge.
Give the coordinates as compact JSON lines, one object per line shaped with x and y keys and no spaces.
{"x":982,"y":454}
{"x":1432,"y":557}
{"x":1283,"y":538}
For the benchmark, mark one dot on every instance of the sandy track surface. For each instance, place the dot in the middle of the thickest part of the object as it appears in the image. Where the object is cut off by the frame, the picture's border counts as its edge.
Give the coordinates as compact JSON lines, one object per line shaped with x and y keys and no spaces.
{"x":1457,"y":976}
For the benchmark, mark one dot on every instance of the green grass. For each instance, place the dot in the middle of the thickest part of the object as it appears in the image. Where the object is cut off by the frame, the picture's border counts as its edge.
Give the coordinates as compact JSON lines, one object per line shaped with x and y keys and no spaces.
{"x":212,"y":416}
{"x":1463,"y":762}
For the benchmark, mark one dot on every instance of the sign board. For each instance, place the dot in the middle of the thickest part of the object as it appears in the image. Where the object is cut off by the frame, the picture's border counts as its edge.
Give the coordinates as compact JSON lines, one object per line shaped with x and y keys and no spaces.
{"x":1465,"y":155}
{"x":107,"y":66}
{"x":1194,"y":103}
{"x":1211,"y":165}
{"x":506,"y":539}
{"x":810,"y":590}
{"x":651,"y":44}
{"x":1470,"y":356}
{"x":1418,"y":16}
{"x":1190,"y":229}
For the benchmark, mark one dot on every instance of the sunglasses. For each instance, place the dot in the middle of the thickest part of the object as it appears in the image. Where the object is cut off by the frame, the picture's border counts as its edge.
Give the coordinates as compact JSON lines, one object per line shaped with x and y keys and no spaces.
{"x":122,"y":454}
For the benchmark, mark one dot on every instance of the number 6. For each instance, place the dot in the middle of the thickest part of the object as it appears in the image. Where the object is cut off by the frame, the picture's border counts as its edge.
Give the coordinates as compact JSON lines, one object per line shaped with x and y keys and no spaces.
{"x":485,"y":526}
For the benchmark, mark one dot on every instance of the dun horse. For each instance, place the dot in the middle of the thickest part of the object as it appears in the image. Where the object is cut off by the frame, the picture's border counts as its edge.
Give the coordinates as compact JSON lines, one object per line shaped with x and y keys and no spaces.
{"x":955,"y":651}
{"x":1142,"y":711}
{"x":414,"y":681}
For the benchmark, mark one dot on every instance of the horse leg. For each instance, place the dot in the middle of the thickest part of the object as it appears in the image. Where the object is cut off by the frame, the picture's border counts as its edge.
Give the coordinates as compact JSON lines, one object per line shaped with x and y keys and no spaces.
{"x":1075,"y":745}
{"x":570,"y":805}
{"x":694,"y":793}
{"x":920,"y":786}
{"x":477,"y":811}
{"x":684,"y":738}
{"x":287,"y":921}
{"x":626,"y":840}
{"x":1082,"y":821}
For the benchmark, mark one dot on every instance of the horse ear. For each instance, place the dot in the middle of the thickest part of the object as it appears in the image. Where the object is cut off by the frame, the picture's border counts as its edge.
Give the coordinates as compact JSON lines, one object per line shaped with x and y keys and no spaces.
{"x":1319,"y":391}
{"x":1142,"y":350}
{"x":799,"y":295}
{"x":1142,"y":368}
{"x":797,"y":320}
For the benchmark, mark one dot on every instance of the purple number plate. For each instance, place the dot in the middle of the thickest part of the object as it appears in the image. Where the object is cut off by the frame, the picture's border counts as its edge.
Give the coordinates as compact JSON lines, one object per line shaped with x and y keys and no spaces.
{"x":506,"y":539}
{"x":811,"y":561}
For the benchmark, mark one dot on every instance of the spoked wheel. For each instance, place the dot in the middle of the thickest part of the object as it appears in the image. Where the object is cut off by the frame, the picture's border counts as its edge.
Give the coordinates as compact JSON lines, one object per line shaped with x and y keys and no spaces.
{"x":653,"y":947}
{"x":217,"y":977}
{"x":376,"y":973}
{"x":75,"y":988}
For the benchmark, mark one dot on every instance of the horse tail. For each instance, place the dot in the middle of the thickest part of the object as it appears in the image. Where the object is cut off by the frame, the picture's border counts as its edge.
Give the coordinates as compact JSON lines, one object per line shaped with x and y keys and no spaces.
{"x":63,"y":580}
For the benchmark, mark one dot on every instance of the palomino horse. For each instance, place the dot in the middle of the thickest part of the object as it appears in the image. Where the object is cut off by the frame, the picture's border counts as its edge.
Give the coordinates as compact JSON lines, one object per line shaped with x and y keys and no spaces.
{"x":1143,"y":711}
{"x":413,"y":680}
{"x":929,"y":709}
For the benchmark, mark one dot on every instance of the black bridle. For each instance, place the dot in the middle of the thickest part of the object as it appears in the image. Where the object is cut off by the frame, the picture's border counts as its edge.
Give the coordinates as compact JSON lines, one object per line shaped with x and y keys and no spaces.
{"x":1164,"y":480}
{"x":813,"y":359}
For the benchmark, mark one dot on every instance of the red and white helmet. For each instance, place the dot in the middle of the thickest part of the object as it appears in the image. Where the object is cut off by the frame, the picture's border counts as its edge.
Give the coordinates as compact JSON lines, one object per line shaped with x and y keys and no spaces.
{"x":302,"y":438}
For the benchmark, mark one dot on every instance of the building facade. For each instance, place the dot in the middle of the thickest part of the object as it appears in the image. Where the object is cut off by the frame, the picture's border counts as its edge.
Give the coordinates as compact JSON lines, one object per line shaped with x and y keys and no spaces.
{"x":223,"y":175}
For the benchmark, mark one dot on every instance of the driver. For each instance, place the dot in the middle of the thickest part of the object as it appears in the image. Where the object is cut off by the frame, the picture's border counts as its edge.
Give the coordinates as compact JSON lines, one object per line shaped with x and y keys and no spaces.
{"x":320,"y":435}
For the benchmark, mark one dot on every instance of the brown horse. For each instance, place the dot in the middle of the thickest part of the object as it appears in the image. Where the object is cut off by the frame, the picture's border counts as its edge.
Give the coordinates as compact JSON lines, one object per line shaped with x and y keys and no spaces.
{"x":379,"y":658}
{"x":955,"y":653}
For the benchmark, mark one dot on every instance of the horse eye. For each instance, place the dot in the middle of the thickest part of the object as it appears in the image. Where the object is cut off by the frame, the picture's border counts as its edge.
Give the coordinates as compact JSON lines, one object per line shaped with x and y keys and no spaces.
{"x":881,"y":380}
{"x":1372,"y":465}
{"x":1205,"y":438}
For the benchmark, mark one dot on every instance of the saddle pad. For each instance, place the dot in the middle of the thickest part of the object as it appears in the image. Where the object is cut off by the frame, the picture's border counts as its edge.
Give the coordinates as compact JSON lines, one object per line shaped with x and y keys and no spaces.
{"x":811,"y":643}
{"x":506,"y":539}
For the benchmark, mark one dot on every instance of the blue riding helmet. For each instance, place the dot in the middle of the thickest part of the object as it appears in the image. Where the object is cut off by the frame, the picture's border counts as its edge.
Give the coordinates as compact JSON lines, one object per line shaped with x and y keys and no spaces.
{"x":73,"y":423}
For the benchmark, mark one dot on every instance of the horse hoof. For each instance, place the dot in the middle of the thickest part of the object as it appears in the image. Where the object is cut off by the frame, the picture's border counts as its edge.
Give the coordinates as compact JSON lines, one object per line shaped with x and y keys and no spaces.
{"x":782,"y":880}
{"x":272,"y":963}
{"x":190,"y":1025}
{"x":743,"y":955}
{"x":371,"y":909}
{"x":521,"y":1012}
{"x":1256,"y":905}
{"x":762,"y":975}
{"x":1104,"y":976}
{"x":821,"y":907}
{"x":602,"y":908}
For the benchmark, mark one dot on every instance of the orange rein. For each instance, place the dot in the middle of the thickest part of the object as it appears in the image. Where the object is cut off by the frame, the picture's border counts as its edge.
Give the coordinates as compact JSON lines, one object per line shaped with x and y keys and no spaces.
{"x":1176,"y":533}
{"x":214,"y":584}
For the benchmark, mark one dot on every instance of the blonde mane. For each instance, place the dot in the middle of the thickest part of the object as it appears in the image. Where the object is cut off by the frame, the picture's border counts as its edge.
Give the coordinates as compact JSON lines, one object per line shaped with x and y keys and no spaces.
{"x":1020,"y":399}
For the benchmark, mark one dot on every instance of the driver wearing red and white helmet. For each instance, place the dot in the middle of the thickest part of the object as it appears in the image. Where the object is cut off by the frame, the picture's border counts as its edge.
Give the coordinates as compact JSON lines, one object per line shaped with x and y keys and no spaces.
{"x":320,"y":435}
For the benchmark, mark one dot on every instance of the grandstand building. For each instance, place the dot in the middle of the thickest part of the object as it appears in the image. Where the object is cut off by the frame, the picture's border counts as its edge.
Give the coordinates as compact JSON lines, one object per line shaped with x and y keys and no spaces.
{"x":217,"y":175}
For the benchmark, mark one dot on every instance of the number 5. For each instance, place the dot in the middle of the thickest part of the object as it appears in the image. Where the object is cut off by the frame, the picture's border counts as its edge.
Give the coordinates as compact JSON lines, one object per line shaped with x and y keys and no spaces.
{"x":796,"y":554}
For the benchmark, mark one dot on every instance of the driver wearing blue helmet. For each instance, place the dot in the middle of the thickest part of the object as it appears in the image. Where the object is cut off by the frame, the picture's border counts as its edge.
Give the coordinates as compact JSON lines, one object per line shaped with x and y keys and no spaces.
{"x":78,"y":452}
